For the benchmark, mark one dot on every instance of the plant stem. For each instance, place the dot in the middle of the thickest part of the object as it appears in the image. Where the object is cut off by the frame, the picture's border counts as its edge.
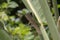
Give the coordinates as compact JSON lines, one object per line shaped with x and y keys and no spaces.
{"x":51,"y":23}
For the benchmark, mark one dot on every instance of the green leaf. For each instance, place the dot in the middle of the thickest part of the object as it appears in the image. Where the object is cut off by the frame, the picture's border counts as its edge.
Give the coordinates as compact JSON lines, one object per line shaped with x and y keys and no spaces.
{"x":30,"y":36}
{"x":3,"y":16}
{"x":21,"y":30}
{"x":4,"y":35}
{"x":4,"y":5}
{"x":13,"y":4}
{"x":25,"y":11}
{"x":58,"y":5}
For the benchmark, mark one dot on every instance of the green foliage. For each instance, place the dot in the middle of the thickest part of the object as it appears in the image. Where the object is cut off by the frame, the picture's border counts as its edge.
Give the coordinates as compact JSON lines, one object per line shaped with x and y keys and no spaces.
{"x":22,"y":30}
{"x":12,"y":27}
{"x":12,"y":4}
{"x":4,"y":35}
{"x":58,"y":6}
{"x":4,"y":5}
{"x":23,"y":11}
